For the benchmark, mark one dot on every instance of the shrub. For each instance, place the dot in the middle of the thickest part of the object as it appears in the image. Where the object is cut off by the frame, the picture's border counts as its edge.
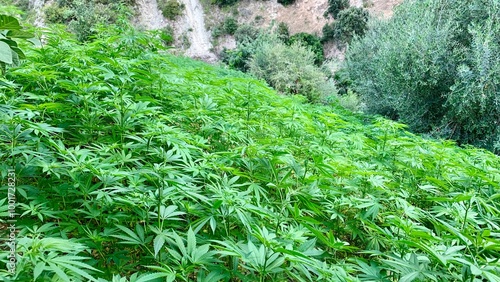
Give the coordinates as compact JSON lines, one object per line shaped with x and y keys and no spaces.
{"x":57,"y":14}
{"x":248,"y":39}
{"x":230,"y":25}
{"x":22,"y":4}
{"x":171,"y":9}
{"x":246,"y":33}
{"x":335,"y":6}
{"x":434,"y":65}
{"x":283,"y":32}
{"x":350,"y":22}
{"x":236,"y":58}
{"x":224,"y":2}
{"x":289,"y":69}
{"x":286,"y":2}
{"x":312,"y":42}
{"x":83,"y":16}
{"x":167,"y":35}
{"x":349,"y":101}
{"x":87,"y":15}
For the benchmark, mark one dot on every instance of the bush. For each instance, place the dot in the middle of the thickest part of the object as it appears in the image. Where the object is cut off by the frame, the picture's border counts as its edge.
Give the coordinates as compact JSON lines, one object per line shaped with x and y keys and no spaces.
{"x":171,"y":9}
{"x":434,"y":66}
{"x":312,"y":42}
{"x":350,"y":22}
{"x":286,"y":2}
{"x":237,"y":58}
{"x":83,"y":16}
{"x":350,"y":101}
{"x":22,"y":4}
{"x":224,"y":2}
{"x":57,"y":14}
{"x":167,"y":35}
{"x":230,"y":25}
{"x":335,"y":6}
{"x":87,"y":15}
{"x":248,"y":39}
{"x":283,"y":32}
{"x":289,"y":69}
{"x":246,"y":34}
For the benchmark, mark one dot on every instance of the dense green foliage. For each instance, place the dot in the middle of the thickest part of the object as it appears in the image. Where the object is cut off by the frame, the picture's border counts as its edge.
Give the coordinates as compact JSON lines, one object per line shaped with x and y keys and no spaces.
{"x":283,"y":32}
{"x":84,"y":16}
{"x":349,"y":22}
{"x":310,"y":41}
{"x":290,"y":69}
{"x":290,"y":64}
{"x":335,"y":6}
{"x":166,"y":34}
{"x":10,"y":53}
{"x":223,"y":3}
{"x":248,"y":39}
{"x":171,"y":9}
{"x":435,"y":66}
{"x":286,"y":2}
{"x":133,"y":165}
{"x":228,"y":26}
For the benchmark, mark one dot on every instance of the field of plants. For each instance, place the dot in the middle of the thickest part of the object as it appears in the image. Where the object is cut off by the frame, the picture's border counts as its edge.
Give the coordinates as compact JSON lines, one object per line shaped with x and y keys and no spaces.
{"x":134,"y":165}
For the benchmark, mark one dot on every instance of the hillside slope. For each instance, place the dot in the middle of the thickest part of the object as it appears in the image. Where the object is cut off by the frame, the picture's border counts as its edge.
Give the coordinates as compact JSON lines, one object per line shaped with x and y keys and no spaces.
{"x":132,"y":164}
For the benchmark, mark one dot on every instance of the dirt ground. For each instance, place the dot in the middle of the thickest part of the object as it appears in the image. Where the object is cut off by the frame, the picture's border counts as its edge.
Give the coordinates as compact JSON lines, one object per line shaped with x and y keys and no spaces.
{"x":303,"y":15}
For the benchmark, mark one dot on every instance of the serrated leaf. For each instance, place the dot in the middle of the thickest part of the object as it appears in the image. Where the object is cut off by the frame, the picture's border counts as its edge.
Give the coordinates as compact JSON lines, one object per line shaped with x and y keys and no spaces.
{"x":191,"y":241}
{"x":158,"y":243}
{"x":154,"y":276}
{"x":39,"y":267}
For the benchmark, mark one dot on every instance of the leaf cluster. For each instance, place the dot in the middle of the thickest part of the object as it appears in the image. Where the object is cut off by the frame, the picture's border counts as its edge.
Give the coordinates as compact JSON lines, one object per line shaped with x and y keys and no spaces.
{"x":349,"y":23}
{"x":10,"y":53}
{"x":134,"y":165}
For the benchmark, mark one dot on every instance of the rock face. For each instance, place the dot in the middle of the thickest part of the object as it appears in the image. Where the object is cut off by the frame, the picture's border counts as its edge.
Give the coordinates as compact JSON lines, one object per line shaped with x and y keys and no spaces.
{"x":149,"y":17}
{"x":193,"y":23}
{"x":37,"y":5}
{"x":189,"y":29}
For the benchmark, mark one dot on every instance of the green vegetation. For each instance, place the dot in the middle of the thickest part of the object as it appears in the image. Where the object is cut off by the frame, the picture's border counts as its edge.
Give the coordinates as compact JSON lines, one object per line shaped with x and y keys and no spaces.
{"x":171,"y":9}
{"x":223,"y":3}
{"x":248,"y":39}
{"x":335,"y":6}
{"x":290,"y":69}
{"x":435,"y":66}
{"x":290,"y":64}
{"x":10,"y":53}
{"x":228,"y":26}
{"x":348,"y":23}
{"x":286,"y":2}
{"x":83,"y":17}
{"x":133,"y":165}
{"x":312,"y":42}
{"x":283,"y":32}
{"x":167,"y":35}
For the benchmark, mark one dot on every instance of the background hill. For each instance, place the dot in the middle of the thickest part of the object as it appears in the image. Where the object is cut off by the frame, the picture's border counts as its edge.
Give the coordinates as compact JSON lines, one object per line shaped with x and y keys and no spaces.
{"x":188,"y":24}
